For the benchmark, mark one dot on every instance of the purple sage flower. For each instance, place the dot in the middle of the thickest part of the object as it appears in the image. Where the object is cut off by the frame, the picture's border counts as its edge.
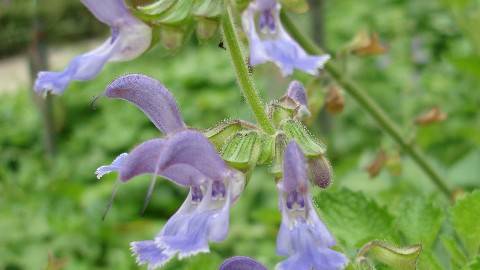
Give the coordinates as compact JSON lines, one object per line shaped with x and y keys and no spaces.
{"x":302,"y":237}
{"x":184,"y":157}
{"x":241,"y":263}
{"x":129,"y":38}
{"x":270,"y":42}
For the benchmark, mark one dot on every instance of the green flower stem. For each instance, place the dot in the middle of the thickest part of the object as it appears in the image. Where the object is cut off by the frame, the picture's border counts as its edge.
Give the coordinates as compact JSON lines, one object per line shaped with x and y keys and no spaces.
{"x":244,"y":79}
{"x":367,"y":103}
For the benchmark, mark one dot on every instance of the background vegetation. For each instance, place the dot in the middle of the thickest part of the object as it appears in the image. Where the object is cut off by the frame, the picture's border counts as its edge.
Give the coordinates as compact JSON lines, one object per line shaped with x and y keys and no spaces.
{"x":51,"y":208}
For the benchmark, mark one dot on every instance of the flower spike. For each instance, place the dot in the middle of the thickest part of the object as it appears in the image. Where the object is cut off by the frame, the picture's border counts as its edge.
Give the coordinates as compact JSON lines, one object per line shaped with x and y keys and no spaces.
{"x":270,"y":42}
{"x":129,"y":38}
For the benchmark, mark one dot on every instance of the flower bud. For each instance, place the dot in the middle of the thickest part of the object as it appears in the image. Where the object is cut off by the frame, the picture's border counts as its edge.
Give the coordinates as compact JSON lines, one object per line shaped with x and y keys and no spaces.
{"x":206,"y":28}
{"x":320,"y":171}
{"x":171,"y":38}
{"x":434,"y":115}
{"x":365,"y":44}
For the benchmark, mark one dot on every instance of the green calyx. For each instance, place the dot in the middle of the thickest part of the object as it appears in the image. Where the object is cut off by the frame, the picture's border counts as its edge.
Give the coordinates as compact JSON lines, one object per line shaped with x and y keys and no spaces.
{"x":311,"y":146}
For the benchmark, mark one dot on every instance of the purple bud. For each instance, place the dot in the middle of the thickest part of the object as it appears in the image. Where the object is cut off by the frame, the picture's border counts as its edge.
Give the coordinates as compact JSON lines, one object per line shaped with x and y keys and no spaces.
{"x":320,"y":171}
{"x":241,"y":263}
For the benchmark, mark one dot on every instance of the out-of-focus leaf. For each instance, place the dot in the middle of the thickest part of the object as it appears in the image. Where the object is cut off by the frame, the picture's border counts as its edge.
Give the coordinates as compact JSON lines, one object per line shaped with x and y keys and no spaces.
{"x":465,"y":215}
{"x":457,"y":256}
{"x":354,"y":219}
{"x":419,"y":220}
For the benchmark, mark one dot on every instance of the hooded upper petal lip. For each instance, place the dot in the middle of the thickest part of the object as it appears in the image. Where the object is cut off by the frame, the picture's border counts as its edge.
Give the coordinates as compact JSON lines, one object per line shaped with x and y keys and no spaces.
{"x":151,"y":97}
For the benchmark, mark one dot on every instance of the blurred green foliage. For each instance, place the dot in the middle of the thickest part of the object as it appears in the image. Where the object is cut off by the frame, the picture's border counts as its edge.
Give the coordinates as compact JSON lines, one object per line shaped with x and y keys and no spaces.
{"x":59,"y":21}
{"x":52,"y":208}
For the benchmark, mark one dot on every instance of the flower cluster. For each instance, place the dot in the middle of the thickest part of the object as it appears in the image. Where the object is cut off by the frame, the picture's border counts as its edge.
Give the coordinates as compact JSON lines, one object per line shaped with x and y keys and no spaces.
{"x":194,"y":160}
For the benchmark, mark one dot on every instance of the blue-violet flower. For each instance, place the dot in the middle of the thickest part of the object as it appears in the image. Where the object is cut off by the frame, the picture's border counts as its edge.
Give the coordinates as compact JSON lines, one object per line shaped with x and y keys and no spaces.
{"x":186,"y":158}
{"x":302,"y":237}
{"x":129,"y":38}
{"x":270,"y":42}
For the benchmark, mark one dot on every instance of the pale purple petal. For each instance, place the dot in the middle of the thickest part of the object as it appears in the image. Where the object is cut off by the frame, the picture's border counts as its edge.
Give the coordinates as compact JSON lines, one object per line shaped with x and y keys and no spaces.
{"x":191,"y":147}
{"x":276,"y":45}
{"x":241,"y":263}
{"x":142,"y":159}
{"x":294,"y":168}
{"x":151,"y":97}
{"x":309,"y":254}
{"x":114,"y":167}
{"x":129,"y":39}
{"x":108,"y":11}
{"x":147,"y":253}
{"x":296,"y":91}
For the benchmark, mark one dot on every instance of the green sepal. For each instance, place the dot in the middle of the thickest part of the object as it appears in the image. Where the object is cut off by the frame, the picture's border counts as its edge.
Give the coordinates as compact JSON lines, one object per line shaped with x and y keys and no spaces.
{"x":206,"y":28}
{"x":267,"y":151}
{"x":154,"y":9}
{"x":280,"y":143}
{"x":172,"y":12}
{"x":222,"y":132}
{"x":279,"y":113}
{"x":400,"y":258}
{"x":207,"y":8}
{"x":295,"y":130}
{"x":242,"y":150}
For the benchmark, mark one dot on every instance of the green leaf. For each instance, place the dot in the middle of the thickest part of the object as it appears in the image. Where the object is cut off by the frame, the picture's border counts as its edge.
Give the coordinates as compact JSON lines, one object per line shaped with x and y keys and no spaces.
{"x":466,"y":220}
{"x":401,"y":258}
{"x":354,"y":219}
{"x":419,"y":220}
{"x":473,"y":265}
{"x":457,"y":257}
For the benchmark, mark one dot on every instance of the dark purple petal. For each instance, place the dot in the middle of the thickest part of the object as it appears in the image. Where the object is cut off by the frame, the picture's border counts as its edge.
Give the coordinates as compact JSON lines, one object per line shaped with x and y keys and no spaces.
{"x":241,"y":263}
{"x":151,"y":97}
{"x":294,"y":169}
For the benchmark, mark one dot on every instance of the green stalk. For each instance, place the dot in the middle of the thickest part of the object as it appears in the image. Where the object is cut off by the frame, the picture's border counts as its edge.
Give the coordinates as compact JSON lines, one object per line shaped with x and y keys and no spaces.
{"x":244,"y":79}
{"x":367,"y":103}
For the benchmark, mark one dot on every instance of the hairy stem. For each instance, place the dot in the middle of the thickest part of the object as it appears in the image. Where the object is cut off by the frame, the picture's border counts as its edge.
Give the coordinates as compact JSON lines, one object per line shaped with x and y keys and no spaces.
{"x":244,"y":79}
{"x":367,"y":103}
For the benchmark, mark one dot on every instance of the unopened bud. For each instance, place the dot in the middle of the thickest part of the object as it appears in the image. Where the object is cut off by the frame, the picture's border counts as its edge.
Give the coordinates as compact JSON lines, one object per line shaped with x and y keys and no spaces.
{"x":206,"y":28}
{"x":320,"y":171}
{"x":335,"y":102}
{"x":171,"y":38}
{"x":377,"y":164}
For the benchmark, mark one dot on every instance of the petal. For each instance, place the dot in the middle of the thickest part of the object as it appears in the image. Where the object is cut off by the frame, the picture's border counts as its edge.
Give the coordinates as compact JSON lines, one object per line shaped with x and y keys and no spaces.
{"x":108,"y":11}
{"x":296,"y":91}
{"x":294,"y":169}
{"x":192,"y":148}
{"x":148,"y":253}
{"x":114,"y":167}
{"x":241,"y":263}
{"x":83,"y":67}
{"x":308,"y":254}
{"x":151,"y":97}
{"x":142,"y":159}
{"x":130,"y":38}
